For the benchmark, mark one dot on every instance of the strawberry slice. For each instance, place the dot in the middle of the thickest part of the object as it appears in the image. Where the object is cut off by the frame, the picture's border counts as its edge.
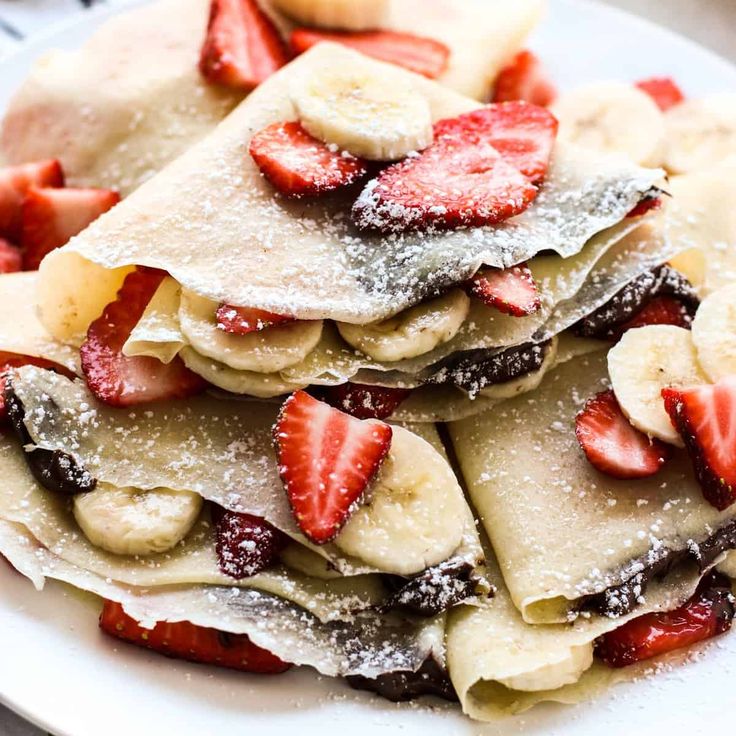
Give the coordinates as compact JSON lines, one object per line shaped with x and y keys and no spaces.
{"x":15,"y":181}
{"x":423,"y":56}
{"x":184,"y":640}
{"x":327,"y":459}
{"x":118,"y":380}
{"x":8,"y":361}
{"x":708,"y":613}
{"x":525,"y":79}
{"x":662,"y":310}
{"x":299,"y":165}
{"x":648,"y":204}
{"x":663,"y":90}
{"x":244,"y":320}
{"x":52,"y":216}
{"x":365,"y":402}
{"x":510,"y":290}
{"x":11,"y":259}
{"x":245,"y":544}
{"x":461,"y":180}
{"x":612,"y":445}
{"x":705,"y":417}
{"x":242,"y":47}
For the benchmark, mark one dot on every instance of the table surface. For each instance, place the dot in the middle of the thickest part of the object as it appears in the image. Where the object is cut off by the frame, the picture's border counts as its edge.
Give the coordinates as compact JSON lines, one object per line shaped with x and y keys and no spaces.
{"x":709,"y":22}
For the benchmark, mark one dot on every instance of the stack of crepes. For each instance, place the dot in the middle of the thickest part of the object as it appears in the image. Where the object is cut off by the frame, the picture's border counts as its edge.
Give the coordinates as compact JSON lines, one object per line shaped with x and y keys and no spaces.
{"x":154,"y":459}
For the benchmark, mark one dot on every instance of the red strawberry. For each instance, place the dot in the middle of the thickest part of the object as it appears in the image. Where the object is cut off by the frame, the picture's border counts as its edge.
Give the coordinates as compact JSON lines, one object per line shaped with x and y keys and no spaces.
{"x":510,"y":290}
{"x":52,"y":216}
{"x":708,"y":613}
{"x":299,"y":165}
{"x":327,"y":459}
{"x":184,"y":640}
{"x":524,"y":79}
{"x":11,"y":259}
{"x":118,"y":380}
{"x":662,"y":310}
{"x":365,"y":402}
{"x":646,"y":205}
{"x":243,"y":47}
{"x":663,"y":90}
{"x":244,"y":320}
{"x":417,"y":54}
{"x":8,"y":361}
{"x":612,"y":445}
{"x":15,"y":181}
{"x":705,"y":417}
{"x":245,"y":544}
{"x":461,"y":180}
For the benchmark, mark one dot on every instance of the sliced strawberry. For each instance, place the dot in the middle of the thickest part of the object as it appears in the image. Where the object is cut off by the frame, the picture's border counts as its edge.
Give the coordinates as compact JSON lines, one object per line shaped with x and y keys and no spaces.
{"x":184,"y":640}
{"x":525,"y":79}
{"x":663,"y":90}
{"x":245,"y":544}
{"x":365,"y":402}
{"x":52,"y":216}
{"x":708,"y":613}
{"x":327,"y":459}
{"x":461,"y":180}
{"x":417,"y":54}
{"x":8,"y":361}
{"x":11,"y":259}
{"x":510,"y":290}
{"x":243,"y":47}
{"x":244,"y":320}
{"x":648,"y":204}
{"x":299,"y":165}
{"x":662,"y":310}
{"x":612,"y":445}
{"x":118,"y":380}
{"x":15,"y":181}
{"x":705,"y":417}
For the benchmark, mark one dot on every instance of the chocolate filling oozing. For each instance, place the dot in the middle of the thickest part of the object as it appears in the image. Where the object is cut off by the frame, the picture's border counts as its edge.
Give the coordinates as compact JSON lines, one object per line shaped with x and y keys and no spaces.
{"x":55,"y":470}
{"x":620,"y":600}
{"x":433,"y":591}
{"x":476,"y":371}
{"x":637,"y":294}
{"x":430,"y":679}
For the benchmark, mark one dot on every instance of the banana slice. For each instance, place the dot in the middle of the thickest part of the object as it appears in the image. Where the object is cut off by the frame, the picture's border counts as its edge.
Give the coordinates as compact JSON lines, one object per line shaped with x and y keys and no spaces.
{"x":267,"y":351}
{"x":304,"y":560}
{"x":248,"y":383}
{"x":412,"y":332}
{"x":700,"y":133}
{"x":126,"y":521}
{"x":381,"y":117}
{"x":645,"y":361}
{"x":714,"y":333}
{"x":351,"y":15}
{"x":415,"y":514}
{"x":613,"y":117}
{"x":553,"y":676}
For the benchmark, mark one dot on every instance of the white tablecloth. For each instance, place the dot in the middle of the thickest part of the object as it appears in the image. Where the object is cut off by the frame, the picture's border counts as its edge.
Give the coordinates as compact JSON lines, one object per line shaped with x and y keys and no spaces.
{"x":710,"y":22}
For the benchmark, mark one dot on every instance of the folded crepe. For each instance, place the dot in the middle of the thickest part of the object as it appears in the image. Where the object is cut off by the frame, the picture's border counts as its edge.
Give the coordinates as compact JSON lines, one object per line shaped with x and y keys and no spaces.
{"x":116,"y":111}
{"x":215,"y":225}
{"x":569,"y":540}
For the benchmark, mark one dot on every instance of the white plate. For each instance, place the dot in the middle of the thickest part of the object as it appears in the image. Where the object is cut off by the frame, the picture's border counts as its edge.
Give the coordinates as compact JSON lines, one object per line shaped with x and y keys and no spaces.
{"x":59,"y":672}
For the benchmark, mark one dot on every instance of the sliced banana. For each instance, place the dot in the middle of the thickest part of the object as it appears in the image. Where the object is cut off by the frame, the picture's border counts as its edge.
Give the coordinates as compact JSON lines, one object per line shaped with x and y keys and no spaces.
{"x":351,"y":15}
{"x":267,"y":351}
{"x":700,"y":133}
{"x":714,"y":333}
{"x":645,"y":361}
{"x":613,"y":117}
{"x":414,"y":516}
{"x":553,"y":676}
{"x":126,"y":521}
{"x":412,"y":332}
{"x":247,"y":383}
{"x":304,"y":560}
{"x":381,"y":117}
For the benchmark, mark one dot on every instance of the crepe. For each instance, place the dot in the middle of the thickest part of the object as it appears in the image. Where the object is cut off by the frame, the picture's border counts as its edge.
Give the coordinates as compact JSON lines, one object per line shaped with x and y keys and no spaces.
{"x":567,"y":537}
{"x":132,"y":99}
{"x":227,"y":237}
